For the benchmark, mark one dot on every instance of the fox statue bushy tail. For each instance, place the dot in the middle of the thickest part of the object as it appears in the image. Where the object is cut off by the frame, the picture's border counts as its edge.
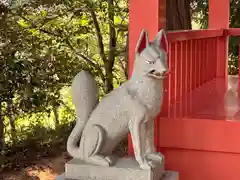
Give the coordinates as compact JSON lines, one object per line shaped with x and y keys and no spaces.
{"x":85,"y":98}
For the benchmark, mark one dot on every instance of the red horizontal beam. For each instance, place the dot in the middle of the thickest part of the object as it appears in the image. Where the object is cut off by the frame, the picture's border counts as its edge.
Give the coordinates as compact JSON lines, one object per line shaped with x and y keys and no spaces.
{"x":199,"y":134}
{"x":232,"y":32}
{"x":174,"y":36}
{"x":202,"y":165}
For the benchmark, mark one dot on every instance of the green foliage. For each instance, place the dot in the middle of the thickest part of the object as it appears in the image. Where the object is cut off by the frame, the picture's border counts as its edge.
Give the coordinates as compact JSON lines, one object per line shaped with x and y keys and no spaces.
{"x":199,"y":11}
{"x":43,"y":45}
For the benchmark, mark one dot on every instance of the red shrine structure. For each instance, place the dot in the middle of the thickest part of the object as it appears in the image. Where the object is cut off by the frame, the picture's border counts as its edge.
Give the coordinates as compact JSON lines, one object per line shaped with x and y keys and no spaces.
{"x":198,"y":129}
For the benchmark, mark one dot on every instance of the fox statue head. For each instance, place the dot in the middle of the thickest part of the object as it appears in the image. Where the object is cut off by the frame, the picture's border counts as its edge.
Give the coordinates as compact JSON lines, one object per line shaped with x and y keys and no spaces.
{"x":151,"y":57}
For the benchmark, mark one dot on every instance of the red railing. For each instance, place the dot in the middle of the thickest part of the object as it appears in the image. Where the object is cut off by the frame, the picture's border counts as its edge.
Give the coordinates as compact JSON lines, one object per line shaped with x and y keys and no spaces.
{"x":232,"y":32}
{"x":192,"y":62}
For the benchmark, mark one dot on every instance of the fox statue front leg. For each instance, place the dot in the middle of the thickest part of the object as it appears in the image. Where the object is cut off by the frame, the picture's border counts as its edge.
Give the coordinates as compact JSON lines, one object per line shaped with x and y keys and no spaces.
{"x":149,"y":148}
{"x":136,"y":124}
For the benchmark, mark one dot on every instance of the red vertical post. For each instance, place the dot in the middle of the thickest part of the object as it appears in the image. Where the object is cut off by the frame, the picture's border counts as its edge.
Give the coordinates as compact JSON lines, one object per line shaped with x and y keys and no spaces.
{"x":219,"y":19}
{"x":148,"y":15}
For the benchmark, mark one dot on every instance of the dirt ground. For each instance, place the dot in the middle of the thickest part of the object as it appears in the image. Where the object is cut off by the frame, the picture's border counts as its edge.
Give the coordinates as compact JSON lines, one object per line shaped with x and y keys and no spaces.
{"x":46,"y":169}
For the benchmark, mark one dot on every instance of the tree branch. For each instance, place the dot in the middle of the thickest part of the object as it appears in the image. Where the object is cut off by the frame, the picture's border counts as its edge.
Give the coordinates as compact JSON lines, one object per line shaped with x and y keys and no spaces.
{"x":112,"y":48}
{"x":99,"y":35}
{"x":89,"y":61}
{"x":97,"y":66}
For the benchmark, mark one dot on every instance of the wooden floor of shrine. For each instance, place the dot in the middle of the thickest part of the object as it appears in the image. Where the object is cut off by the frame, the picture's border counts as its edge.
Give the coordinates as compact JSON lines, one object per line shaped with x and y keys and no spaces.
{"x":213,"y":100}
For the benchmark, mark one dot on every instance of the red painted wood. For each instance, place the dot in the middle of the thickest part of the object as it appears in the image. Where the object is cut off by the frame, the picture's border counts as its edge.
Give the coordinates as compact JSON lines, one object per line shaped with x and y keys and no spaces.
{"x":208,"y":127}
{"x":194,"y":72}
{"x":196,"y":131}
{"x":184,"y":68}
{"x":204,"y":75}
{"x":220,"y":20}
{"x":178,"y":69}
{"x":174,"y":36}
{"x":232,"y":32}
{"x":199,"y":120}
{"x":202,"y":165}
{"x":189,"y":73}
{"x":182,"y":80}
{"x":195,"y":134}
{"x":178,"y":101}
{"x":211,"y":126}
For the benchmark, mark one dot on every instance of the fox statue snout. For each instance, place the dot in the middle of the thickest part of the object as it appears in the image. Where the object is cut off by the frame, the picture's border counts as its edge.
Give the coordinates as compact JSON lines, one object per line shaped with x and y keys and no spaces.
{"x":156,"y":74}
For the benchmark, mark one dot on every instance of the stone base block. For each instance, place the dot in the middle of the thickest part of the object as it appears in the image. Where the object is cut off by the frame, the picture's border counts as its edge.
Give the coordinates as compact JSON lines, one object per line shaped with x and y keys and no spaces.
{"x":168,"y":175}
{"x":124,"y":169}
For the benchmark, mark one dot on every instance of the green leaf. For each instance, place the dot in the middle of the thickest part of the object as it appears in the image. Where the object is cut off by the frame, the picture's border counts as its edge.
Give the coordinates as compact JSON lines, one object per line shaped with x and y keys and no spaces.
{"x":117,"y":20}
{"x":84,"y":22}
{"x":23,"y":23}
{"x":44,"y":13}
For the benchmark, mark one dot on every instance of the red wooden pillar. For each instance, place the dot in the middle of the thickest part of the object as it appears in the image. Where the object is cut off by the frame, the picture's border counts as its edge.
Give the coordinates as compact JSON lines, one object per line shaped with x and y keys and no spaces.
{"x":151,"y":16}
{"x":219,"y":19}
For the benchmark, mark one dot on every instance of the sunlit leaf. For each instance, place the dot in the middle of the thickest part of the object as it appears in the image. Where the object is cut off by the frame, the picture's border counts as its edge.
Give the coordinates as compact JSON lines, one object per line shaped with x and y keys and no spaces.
{"x":44,"y":12}
{"x":23,"y":23}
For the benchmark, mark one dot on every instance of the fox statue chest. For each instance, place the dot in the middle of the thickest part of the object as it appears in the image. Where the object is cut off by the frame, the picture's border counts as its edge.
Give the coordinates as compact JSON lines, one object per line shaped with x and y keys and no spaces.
{"x":149,"y":92}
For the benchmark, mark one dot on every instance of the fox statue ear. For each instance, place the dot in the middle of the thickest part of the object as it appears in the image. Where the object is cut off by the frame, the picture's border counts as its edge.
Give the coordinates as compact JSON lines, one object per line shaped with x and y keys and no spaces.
{"x":142,"y":42}
{"x":161,"y":40}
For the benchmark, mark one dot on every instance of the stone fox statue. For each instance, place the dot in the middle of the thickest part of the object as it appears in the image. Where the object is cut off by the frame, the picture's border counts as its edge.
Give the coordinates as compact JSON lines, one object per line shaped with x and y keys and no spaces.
{"x":130,"y":108}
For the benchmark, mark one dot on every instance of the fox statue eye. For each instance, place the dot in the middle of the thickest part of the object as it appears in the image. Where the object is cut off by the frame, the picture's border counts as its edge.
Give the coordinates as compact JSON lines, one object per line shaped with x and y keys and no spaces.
{"x":150,"y":62}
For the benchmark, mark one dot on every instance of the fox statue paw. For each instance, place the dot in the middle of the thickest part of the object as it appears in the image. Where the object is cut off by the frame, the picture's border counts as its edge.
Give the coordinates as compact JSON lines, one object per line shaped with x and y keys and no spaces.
{"x":100,"y":160}
{"x":147,"y":165}
{"x":155,"y":156}
{"x":111,"y":160}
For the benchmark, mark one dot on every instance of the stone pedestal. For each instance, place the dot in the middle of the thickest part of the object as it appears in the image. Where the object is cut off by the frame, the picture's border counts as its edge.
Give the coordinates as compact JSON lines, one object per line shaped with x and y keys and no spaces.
{"x":124,"y":169}
{"x":168,"y":175}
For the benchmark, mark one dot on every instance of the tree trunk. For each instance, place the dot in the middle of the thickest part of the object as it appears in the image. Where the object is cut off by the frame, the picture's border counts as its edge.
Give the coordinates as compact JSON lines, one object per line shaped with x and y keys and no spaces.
{"x":11,"y":120}
{"x":178,"y":15}
{"x":112,"y":47}
{"x":55,"y":111}
{"x":1,"y":137}
{"x":1,"y":130}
